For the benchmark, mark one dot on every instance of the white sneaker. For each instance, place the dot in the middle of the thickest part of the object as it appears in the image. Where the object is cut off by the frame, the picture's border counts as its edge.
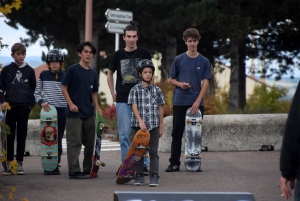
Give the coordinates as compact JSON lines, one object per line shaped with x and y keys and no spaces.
{"x":7,"y":172}
{"x":20,"y":171}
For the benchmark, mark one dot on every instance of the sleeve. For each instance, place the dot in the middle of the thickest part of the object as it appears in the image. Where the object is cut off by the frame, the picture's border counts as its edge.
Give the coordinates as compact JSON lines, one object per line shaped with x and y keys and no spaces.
{"x":173,"y":73}
{"x":113,"y":62}
{"x":38,"y":90}
{"x":2,"y":86}
{"x":132,"y":97}
{"x":96,"y":83}
{"x":32,"y":87}
{"x":207,"y":71}
{"x":161,"y":100}
{"x":289,"y":163}
{"x":68,"y":77}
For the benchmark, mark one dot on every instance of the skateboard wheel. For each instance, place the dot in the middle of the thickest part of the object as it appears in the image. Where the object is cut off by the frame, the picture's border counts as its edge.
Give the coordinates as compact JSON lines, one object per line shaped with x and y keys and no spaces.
{"x":98,"y":162}
{"x":42,"y":120}
{"x":200,"y":121}
{"x":54,"y":120}
{"x":42,"y":155}
{"x":188,"y":120}
{"x":102,"y":164}
{"x":186,"y":156}
{"x":200,"y":156}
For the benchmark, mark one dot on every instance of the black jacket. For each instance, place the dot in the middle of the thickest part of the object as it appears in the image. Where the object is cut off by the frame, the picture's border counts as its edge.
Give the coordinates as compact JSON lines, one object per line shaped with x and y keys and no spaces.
{"x":17,"y":85}
{"x":290,"y":151}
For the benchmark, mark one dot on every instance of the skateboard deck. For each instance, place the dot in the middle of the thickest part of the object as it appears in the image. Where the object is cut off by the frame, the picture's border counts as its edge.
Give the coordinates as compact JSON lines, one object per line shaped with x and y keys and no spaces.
{"x":97,"y":147}
{"x":3,"y":150}
{"x":49,"y":139}
{"x":193,"y":140}
{"x":137,"y":149}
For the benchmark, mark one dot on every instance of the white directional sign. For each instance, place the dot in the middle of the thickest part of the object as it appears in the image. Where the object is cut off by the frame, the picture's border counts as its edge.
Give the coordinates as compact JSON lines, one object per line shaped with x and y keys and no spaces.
{"x":115,"y":27}
{"x":118,"y":15}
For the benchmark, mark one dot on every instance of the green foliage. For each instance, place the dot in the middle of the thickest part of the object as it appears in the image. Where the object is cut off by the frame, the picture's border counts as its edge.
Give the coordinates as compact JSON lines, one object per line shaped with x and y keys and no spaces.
{"x":35,"y":112}
{"x":167,"y":89}
{"x":217,"y":103}
{"x":102,"y":100}
{"x":264,"y":100}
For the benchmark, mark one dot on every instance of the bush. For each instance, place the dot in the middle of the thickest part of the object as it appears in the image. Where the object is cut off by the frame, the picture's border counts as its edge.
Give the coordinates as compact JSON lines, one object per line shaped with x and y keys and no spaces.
{"x":168,"y":90}
{"x":268,"y":101}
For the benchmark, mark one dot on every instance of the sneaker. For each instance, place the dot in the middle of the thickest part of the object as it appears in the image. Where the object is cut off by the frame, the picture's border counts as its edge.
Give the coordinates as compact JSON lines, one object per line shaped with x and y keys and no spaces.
{"x":7,"y":172}
{"x":146,"y":172}
{"x":20,"y":170}
{"x":78,"y":175}
{"x":172,"y":168}
{"x":154,"y":180}
{"x":56,"y":171}
{"x":139,"y":180}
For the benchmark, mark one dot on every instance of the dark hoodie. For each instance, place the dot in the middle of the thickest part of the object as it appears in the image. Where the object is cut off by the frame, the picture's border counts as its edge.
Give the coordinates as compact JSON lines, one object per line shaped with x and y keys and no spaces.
{"x":17,"y":85}
{"x":290,"y":155}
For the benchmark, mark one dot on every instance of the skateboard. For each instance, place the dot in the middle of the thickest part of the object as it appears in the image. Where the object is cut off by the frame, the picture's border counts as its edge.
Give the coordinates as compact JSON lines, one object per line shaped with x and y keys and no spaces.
{"x":137,"y":149}
{"x":49,"y":139}
{"x":97,"y":146}
{"x":3,"y":139}
{"x":193,"y":140}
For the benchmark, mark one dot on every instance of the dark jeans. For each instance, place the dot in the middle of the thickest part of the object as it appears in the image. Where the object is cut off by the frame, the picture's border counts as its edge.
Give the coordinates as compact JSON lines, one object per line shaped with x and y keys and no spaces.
{"x":179,"y":113}
{"x":61,"y":123}
{"x":17,"y":118}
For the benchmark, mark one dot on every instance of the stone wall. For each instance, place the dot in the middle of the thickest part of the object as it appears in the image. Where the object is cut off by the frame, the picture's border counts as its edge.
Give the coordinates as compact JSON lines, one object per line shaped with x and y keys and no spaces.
{"x":238,"y":132}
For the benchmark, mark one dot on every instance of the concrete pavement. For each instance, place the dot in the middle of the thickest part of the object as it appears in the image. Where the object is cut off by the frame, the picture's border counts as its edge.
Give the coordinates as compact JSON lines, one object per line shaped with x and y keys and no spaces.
{"x":255,"y":172}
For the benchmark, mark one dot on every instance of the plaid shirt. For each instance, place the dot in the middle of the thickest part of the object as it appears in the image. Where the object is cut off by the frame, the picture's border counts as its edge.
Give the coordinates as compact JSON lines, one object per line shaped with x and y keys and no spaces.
{"x":147,"y":99}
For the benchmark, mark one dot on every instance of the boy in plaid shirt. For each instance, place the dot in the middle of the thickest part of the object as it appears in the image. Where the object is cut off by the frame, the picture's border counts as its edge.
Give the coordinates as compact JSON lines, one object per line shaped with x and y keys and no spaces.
{"x":147,"y":103}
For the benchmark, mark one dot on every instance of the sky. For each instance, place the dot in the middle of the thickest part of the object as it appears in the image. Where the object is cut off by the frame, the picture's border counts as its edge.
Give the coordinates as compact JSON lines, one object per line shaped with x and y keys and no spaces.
{"x":10,"y":36}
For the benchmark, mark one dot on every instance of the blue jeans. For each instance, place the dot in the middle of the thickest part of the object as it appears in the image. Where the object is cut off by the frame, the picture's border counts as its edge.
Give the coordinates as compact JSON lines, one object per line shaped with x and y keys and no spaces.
{"x":124,"y":127}
{"x":297,"y":188}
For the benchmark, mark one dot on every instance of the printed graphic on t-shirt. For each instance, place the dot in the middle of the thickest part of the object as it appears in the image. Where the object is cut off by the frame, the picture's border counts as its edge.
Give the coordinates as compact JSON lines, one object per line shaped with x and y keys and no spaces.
{"x":19,"y":89}
{"x":129,"y":70}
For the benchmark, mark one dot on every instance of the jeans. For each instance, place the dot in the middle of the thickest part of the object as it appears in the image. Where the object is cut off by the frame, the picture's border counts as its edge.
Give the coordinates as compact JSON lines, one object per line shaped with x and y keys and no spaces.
{"x":124,"y":127}
{"x":153,"y":153}
{"x":297,"y":188}
{"x":61,"y":123}
{"x":17,"y":118}
{"x":179,"y":113}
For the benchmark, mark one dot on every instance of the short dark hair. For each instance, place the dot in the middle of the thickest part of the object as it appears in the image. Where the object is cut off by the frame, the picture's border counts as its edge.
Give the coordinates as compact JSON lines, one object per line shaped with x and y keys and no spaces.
{"x":191,"y":32}
{"x":131,"y":27}
{"x":18,"y":47}
{"x":80,"y":47}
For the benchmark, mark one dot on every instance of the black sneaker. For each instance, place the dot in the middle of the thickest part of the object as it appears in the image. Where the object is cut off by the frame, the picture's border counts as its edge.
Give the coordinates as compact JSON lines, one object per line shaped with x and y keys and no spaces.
{"x":172,"y":168}
{"x":56,"y":171}
{"x":78,"y":175}
{"x":146,"y":172}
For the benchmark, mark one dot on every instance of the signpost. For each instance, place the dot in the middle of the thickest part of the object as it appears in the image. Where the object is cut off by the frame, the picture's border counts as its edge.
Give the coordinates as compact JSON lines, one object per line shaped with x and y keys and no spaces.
{"x":115,"y":27}
{"x":118,"y":20}
{"x":114,"y":16}
{"x":118,"y":15}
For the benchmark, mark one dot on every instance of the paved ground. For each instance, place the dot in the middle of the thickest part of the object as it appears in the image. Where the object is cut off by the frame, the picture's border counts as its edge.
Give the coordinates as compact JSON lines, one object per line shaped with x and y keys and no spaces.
{"x":254,"y":172}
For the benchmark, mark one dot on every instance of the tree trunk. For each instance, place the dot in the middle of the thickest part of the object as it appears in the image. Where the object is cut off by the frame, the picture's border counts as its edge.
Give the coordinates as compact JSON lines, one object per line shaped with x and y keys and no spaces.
{"x":234,"y":78}
{"x":242,"y":75}
{"x":168,"y":55}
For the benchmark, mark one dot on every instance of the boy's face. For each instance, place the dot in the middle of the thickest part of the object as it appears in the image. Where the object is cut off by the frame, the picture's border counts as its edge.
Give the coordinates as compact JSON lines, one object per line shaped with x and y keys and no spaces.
{"x":18,"y":57}
{"x":146,"y":74}
{"x":192,"y":43}
{"x":55,"y":65}
{"x":86,"y":55}
{"x":131,"y":38}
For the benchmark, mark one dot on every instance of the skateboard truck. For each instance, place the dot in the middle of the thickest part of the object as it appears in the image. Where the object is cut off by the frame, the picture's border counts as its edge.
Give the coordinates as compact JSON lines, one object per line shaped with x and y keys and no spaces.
{"x":49,"y":155}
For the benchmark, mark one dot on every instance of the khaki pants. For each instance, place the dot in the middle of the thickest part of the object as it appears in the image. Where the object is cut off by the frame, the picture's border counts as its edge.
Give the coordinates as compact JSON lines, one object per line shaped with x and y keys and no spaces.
{"x":80,"y":131}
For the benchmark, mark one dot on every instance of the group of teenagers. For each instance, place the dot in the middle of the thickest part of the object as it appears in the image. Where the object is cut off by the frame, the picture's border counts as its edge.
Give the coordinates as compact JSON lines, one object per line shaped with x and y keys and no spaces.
{"x":74,"y":94}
